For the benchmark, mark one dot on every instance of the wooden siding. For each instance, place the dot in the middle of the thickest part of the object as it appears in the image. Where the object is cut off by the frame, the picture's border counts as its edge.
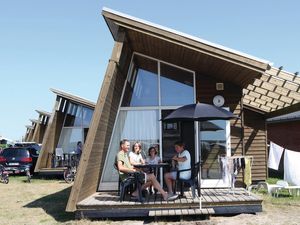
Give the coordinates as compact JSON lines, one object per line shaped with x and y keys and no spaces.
{"x":98,"y":138}
{"x":256,"y":143}
{"x":285,"y":134}
{"x":191,"y":58}
{"x":206,"y":90}
{"x":51,"y":138}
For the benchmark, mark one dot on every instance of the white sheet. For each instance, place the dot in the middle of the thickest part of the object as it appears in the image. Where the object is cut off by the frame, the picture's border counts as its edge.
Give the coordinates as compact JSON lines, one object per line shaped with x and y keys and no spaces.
{"x":274,"y":156}
{"x":292,"y":167}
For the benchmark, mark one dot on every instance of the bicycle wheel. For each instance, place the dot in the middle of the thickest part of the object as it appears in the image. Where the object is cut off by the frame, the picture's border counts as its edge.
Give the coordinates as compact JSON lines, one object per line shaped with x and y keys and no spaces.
{"x":68,"y":176}
{"x":28,"y":176}
{"x":6,"y":180}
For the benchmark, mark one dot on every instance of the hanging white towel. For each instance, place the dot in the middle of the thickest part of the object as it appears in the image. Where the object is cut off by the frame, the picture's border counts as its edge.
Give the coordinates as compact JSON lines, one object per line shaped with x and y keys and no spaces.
{"x":274,"y":156}
{"x":292,"y":167}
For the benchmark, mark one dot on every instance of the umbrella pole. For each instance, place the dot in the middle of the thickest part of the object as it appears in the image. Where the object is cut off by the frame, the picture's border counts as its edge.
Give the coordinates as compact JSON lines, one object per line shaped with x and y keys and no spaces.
{"x":200,"y":166}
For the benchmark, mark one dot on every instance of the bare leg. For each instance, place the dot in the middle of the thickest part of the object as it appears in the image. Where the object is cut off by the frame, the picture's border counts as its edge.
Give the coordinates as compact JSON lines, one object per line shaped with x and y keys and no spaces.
{"x":169,"y":182}
{"x":156,"y":185}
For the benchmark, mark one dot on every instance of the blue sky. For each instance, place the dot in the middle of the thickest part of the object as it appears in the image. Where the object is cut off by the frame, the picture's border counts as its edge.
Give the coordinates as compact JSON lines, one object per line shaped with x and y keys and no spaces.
{"x":65,"y":44}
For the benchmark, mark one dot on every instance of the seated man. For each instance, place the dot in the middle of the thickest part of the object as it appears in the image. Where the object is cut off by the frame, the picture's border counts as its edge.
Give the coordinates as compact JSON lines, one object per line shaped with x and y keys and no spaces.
{"x":124,"y":167}
{"x":183,"y":161}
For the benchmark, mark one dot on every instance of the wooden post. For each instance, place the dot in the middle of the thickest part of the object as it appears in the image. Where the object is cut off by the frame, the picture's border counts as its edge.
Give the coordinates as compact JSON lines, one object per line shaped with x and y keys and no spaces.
{"x":92,"y":160}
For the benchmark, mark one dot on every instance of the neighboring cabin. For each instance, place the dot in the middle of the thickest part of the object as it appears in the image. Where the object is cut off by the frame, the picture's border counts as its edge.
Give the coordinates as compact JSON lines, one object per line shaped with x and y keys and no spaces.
{"x":68,"y":124}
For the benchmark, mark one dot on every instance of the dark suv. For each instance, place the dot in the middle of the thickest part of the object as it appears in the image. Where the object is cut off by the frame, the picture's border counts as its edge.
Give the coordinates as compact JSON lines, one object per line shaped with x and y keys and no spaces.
{"x":18,"y":160}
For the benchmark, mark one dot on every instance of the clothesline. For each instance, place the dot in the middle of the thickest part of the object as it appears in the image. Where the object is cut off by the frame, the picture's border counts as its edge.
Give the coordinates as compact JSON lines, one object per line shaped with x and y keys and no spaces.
{"x":231,"y":165}
{"x":290,"y":163}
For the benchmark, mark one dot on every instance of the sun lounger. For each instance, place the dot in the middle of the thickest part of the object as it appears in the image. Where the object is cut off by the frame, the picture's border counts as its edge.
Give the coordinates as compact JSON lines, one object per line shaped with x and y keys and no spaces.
{"x":274,"y":189}
{"x":293,"y":189}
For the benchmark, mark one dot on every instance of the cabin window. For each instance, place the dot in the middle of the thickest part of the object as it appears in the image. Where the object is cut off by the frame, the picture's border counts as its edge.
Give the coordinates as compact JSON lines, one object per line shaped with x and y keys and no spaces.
{"x":74,"y":116}
{"x":76,"y":124}
{"x":69,"y":138}
{"x":87,"y":115}
{"x":176,"y":86}
{"x":142,"y":83}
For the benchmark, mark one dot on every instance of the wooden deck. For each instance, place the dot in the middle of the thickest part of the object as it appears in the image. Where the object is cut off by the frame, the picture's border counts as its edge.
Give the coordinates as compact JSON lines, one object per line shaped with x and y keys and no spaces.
{"x":52,"y":171}
{"x":214,"y":201}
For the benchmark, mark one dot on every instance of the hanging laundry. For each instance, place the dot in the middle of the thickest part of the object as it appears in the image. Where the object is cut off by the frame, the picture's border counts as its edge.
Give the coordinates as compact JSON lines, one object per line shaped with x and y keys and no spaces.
{"x":274,"y":156}
{"x":224,"y":169}
{"x":247,"y":172}
{"x":292,"y":167}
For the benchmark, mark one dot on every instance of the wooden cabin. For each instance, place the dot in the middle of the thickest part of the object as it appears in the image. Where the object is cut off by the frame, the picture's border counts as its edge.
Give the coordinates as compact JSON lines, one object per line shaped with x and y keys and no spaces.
{"x":35,"y":132}
{"x":30,"y":129}
{"x":154,"y":70}
{"x":68,"y":124}
{"x":41,"y":126}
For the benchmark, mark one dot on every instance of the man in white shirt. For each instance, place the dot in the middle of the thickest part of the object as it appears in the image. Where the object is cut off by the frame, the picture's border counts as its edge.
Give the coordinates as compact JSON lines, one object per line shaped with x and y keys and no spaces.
{"x":183,"y":160}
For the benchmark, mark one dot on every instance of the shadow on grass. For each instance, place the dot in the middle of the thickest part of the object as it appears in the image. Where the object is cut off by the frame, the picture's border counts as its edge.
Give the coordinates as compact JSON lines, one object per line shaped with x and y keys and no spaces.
{"x":54,"y":205}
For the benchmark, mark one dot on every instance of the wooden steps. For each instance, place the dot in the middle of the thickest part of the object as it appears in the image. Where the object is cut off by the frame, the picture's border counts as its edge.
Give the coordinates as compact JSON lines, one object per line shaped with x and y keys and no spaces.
{"x":181,"y":212}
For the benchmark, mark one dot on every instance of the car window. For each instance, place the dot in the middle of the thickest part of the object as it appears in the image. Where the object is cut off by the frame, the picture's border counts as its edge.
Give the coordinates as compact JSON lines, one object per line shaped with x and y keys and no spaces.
{"x":11,"y":152}
{"x":33,"y":151}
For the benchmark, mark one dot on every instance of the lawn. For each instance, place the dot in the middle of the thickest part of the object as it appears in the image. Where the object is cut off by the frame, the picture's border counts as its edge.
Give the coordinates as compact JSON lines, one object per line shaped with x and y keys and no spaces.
{"x":43,"y":201}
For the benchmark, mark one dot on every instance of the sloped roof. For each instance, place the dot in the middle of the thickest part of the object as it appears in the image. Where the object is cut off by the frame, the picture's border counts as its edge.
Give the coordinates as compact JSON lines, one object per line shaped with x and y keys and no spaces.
{"x":274,"y":90}
{"x":42,"y":112}
{"x":295,"y":116}
{"x":265,"y":88}
{"x":73,"y":98}
{"x":185,"y":50}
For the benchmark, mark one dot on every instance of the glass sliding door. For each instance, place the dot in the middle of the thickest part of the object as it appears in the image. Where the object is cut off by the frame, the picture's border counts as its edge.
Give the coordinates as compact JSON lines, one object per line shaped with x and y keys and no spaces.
{"x":214,"y":143}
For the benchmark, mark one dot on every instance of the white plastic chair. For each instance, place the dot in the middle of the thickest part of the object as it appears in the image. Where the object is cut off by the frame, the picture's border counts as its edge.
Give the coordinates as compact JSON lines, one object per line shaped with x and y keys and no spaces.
{"x":271,"y":188}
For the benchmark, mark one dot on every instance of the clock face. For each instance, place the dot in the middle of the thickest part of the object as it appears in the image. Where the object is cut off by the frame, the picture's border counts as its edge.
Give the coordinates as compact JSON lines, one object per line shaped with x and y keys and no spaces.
{"x":218,"y":100}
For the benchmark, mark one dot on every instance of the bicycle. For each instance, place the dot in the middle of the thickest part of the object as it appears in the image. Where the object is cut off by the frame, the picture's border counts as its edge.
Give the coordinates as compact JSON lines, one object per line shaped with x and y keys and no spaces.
{"x":71,"y":170}
{"x":4,"y":178}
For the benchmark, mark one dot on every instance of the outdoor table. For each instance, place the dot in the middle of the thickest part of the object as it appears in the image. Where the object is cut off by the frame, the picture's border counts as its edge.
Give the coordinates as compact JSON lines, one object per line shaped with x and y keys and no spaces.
{"x":152,"y":167}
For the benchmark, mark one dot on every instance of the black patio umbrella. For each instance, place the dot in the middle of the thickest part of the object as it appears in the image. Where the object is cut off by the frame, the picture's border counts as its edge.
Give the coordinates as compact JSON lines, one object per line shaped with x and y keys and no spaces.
{"x":199,"y":112}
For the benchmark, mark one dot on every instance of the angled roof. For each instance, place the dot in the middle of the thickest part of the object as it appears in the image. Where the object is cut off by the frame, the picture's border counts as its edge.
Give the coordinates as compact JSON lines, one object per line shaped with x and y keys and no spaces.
{"x":295,"y":116}
{"x":73,"y":98}
{"x":274,"y":90}
{"x":185,"y":50}
{"x":42,"y":112}
{"x":266,"y":88}
{"x":34,"y":121}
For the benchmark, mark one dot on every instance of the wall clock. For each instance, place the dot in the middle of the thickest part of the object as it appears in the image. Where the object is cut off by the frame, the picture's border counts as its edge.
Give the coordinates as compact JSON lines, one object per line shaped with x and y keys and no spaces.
{"x":219,"y":100}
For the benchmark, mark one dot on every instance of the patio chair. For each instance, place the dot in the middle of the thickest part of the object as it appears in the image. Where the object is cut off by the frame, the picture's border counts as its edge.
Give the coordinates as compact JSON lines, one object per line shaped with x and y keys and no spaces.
{"x":128,"y":184}
{"x":193,"y":181}
{"x":271,"y":188}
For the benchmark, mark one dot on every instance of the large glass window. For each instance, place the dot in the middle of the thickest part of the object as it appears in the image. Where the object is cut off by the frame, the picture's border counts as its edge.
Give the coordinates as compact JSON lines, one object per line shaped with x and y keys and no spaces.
{"x":142,"y":83}
{"x":176,"y":86}
{"x":74,"y":116}
{"x":69,"y":138}
{"x":77,"y":122}
{"x":87,"y":115}
{"x":134,"y":125}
